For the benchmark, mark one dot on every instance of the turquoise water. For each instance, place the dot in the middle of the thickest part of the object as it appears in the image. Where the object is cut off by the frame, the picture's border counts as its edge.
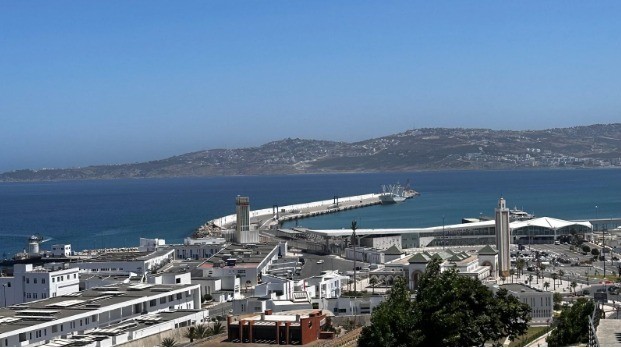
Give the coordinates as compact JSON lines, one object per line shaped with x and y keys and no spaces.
{"x":110,"y":213}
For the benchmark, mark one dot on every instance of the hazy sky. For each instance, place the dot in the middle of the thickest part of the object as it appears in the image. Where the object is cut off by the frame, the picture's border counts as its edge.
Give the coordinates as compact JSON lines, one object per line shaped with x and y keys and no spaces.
{"x":102,"y":82}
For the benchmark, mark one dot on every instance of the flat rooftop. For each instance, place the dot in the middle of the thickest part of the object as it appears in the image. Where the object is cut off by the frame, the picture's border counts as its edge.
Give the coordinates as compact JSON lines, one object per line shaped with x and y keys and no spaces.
{"x":35,"y":312}
{"x":515,"y":287}
{"x":246,"y":256}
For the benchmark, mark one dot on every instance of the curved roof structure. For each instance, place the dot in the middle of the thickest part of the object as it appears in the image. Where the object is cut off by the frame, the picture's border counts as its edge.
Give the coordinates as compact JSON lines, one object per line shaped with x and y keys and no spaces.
{"x":548,"y":222}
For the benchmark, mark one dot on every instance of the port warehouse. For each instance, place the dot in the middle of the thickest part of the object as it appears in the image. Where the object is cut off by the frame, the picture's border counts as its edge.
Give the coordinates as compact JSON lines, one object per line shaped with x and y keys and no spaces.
{"x":534,"y":231}
{"x":88,"y":312}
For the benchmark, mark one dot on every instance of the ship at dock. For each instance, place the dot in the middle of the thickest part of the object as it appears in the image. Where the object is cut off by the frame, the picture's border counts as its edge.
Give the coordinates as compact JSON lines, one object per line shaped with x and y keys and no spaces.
{"x":396,"y":193}
{"x":32,"y":254}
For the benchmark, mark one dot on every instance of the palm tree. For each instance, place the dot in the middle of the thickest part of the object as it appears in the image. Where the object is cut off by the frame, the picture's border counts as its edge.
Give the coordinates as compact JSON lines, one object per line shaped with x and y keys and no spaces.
{"x":554,"y":277}
{"x":573,"y":284}
{"x":168,"y":342}
{"x":512,"y":272}
{"x":538,"y":273}
{"x":202,"y":331}
{"x":546,"y":285}
{"x":217,"y":328}
{"x":530,"y":279}
{"x":519,"y":264}
{"x":191,"y":333}
{"x":373,"y":282}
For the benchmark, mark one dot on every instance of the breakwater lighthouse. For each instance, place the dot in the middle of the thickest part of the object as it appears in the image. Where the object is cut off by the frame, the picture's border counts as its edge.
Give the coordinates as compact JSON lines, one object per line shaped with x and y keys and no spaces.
{"x":502,"y":238}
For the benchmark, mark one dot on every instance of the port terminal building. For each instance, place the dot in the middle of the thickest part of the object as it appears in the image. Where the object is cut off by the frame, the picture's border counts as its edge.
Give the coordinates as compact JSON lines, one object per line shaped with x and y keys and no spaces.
{"x":535,"y":231}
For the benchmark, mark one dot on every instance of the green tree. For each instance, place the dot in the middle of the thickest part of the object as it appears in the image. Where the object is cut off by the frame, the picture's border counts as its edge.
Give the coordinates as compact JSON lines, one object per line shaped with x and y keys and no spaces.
{"x":373,"y":282}
{"x":217,"y":328}
{"x":594,"y":252}
{"x":546,"y":285}
{"x":573,"y":285}
{"x":392,"y":321}
{"x":202,"y":331}
{"x":572,"y":325}
{"x":557,"y":298}
{"x":449,"y":310}
{"x":586,"y":248}
{"x":191,"y":333}
{"x":519,"y":264}
{"x":168,"y":342}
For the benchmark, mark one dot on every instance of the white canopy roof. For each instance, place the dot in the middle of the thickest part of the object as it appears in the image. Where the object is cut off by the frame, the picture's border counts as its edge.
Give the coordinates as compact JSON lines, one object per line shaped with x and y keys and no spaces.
{"x":548,"y":222}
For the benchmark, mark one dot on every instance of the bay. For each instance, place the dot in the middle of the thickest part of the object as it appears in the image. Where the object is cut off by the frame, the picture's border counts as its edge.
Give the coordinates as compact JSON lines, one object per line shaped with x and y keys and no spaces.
{"x":115,"y":213}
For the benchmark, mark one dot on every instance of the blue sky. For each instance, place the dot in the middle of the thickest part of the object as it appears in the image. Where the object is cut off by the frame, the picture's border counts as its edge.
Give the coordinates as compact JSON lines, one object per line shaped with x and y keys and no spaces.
{"x":103,"y":82}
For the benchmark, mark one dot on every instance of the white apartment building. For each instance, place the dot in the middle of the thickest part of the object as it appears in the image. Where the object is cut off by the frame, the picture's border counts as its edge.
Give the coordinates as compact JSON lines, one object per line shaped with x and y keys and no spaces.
{"x":198,"y":248}
{"x":61,"y":250}
{"x":66,"y":317}
{"x":128,"y":261}
{"x":30,"y":283}
{"x":540,"y":302}
{"x":327,"y":285}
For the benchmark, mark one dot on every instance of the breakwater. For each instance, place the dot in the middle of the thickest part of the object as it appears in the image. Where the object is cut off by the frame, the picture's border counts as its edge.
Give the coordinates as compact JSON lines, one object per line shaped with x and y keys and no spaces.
{"x":268,"y":217}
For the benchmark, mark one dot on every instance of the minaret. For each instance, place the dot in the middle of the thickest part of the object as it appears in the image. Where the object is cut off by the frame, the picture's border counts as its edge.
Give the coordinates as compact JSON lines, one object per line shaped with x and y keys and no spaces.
{"x":502,"y":238}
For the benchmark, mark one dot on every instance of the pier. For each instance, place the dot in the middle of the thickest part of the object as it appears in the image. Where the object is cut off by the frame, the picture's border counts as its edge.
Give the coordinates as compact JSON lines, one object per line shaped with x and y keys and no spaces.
{"x":269,"y":218}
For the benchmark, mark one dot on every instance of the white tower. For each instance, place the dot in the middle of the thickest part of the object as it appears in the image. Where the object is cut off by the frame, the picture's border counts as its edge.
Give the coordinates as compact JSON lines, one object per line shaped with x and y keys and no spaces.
{"x":502,"y":238}
{"x":242,"y":232}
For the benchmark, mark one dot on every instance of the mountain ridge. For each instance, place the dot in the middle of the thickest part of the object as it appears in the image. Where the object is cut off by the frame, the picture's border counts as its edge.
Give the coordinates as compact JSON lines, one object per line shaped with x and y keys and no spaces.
{"x":592,"y":146}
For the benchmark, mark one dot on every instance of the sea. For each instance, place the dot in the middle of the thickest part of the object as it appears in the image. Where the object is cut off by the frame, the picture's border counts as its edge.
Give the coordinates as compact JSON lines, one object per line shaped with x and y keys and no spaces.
{"x":116,"y":213}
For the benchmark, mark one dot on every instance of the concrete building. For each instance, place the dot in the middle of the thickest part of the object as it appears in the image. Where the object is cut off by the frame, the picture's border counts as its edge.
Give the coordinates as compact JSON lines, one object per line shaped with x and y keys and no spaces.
{"x":61,"y":250}
{"x":373,"y":255}
{"x":289,"y":328}
{"x":196,"y":249}
{"x":85,"y":314}
{"x":478,"y":266}
{"x":128,"y":261}
{"x":326,"y":285}
{"x":30,"y":283}
{"x":540,"y":302}
{"x":248,"y":263}
{"x":503,"y":238}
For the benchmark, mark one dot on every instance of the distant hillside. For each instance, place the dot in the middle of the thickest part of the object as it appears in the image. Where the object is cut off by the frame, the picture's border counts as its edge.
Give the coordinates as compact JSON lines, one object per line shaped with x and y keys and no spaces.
{"x":418,"y":149}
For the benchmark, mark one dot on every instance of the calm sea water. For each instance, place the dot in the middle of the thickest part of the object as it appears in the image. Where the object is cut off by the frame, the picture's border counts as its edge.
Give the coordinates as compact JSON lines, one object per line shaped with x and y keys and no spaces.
{"x":112,"y":213}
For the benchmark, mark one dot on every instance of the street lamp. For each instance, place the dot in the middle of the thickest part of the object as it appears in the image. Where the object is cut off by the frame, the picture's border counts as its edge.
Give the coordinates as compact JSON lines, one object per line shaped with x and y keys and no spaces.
{"x":354,"y":226}
{"x":4,"y":293}
{"x":443,"y":234}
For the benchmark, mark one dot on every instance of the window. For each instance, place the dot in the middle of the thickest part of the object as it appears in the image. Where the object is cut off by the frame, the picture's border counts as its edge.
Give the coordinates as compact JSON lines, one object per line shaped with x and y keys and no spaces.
{"x":35,"y":280}
{"x":42,"y":280}
{"x":162,"y":300}
{"x":53,"y":280}
{"x":153,"y":303}
{"x":179,"y":296}
{"x":34,"y":295}
{"x":27,"y":280}
{"x":94,"y":318}
{"x":170,"y":298}
{"x":9,"y":284}
{"x":74,"y":275}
